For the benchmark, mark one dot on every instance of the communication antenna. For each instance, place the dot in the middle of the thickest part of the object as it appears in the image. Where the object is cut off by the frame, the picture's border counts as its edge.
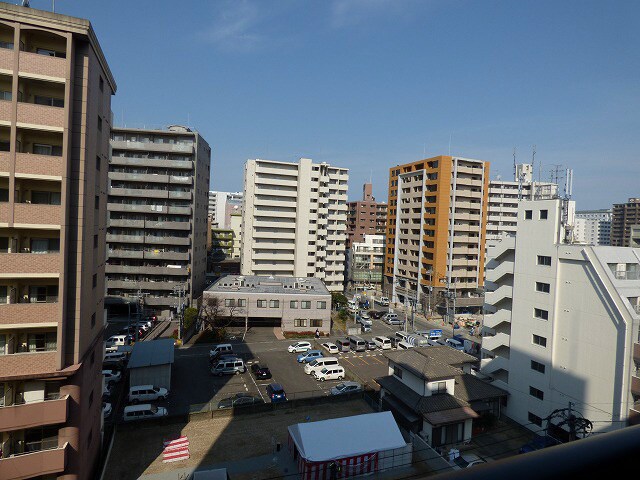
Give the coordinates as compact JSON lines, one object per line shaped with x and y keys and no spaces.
{"x":25,"y":3}
{"x":514,"y":164}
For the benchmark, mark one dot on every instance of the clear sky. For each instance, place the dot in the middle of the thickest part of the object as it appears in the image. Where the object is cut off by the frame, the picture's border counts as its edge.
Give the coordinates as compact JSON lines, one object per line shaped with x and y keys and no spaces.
{"x":368,"y":84}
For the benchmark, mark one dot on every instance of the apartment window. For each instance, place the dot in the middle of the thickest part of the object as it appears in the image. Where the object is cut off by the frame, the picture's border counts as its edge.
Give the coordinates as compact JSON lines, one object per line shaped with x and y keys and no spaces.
{"x":322,"y":305}
{"x":397,"y":371}
{"x":528,"y":214}
{"x":5,"y":95}
{"x":97,"y":202}
{"x":541,"y":314}
{"x":101,"y":84}
{"x":535,"y":419}
{"x":274,"y":303}
{"x":300,"y":322}
{"x":99,"y":123}
{"x":293,"y":304}
{"x":97,"y":162}
{"x":534,"y":392}
{"x":49,"y":101}
{"x":538,"y":340}
{"x":45,"y":198}
{"x":93,"y":320}
{"x":316,"y":322}
{"x":242,"y":302}
{"x":438,"y":387}
{"x":42,"y":342}
{"x":544,"y":260}
{"x":95,"y":241}
{"x":262,"y":304}
{"x":94,"y":280}
{"x":43,"y":149}
{"x":229,"y":302}
{"x":544,"y":214}
{"x":537,"y":366}
{"x":305,"y":304}
{"x":50,"y":53}
{"x":543,"y":287}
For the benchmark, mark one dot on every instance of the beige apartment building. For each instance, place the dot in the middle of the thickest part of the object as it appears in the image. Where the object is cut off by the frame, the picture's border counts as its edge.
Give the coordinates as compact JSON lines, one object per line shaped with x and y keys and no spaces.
{"x":55,"y":118}
{"x":436,"y":227}
{"x":294,"y":220}
{"x":158,"y":199}
{"x":293,"y":304}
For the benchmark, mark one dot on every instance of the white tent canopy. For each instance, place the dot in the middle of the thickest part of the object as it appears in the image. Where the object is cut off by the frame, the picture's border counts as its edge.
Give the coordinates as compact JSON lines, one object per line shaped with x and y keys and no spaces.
{"x":346,"y":437}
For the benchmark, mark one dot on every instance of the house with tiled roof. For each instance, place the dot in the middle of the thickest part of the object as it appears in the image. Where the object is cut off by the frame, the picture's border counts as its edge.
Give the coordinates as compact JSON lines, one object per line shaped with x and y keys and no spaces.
{"x":431,"y":391}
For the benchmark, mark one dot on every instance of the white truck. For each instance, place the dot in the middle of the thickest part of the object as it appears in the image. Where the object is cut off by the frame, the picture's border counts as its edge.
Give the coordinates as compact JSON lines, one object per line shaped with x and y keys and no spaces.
{"x":383,"y":301}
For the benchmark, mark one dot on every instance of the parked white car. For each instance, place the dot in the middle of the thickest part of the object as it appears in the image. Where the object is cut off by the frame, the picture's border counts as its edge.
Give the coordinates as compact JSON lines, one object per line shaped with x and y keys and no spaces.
{"x":146,"y":393}
{"x":111,"y":376}
{"x":299,"y":347}
{"x":141,"y":412}
{"x":329,"y":373}
{"x":330,"y":347}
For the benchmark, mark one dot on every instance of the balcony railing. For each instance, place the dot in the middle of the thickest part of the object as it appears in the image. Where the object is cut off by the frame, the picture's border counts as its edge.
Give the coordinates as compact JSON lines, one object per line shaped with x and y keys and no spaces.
{"x":51,"y":410}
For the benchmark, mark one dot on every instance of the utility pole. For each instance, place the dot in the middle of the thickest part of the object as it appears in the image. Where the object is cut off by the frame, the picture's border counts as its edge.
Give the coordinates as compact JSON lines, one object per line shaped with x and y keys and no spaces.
{"x":181,"y":290}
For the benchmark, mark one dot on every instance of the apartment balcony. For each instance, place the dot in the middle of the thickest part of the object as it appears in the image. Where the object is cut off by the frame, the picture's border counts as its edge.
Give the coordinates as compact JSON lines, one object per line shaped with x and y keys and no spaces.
{"x":27,"y":214}
{"x":42,"y":116}
{"x":145,"y":270}
{"x":34,"y":414}
{"x":28,"y":265}
{"x":180,"y":180}
{"x":277,"y":256}
{"x":178,"y":210}
{"x":468,"y":182}
{"x":465,"y":239}
{"x":126,"y":207}
{"x":468,"y":301}
{"x":145,"y":285}
{"x":268,"y":235}
{"x":118,"y":253}
{"x":279,"y":170}
{"x":151,"y":147}
{"x":34,"y":64}
{"x":180,"y":195}
{"x":6,"y":59}
{"x":469,"y":170}
{"x":138,"y":192}
{"x":490,"y":366}
{"x":258,"y":222}
{"x":151,"y":162}
{"x":160,"y":301}
{"x":169,"y":225}
{"x":260,"y":202}
{"x":261,"y":180}
{"x":496,"y":341}
{"x":47,"y":461}
{"x":27,"y":312}
{"x":125,"y":223}
{"x":292,"y":192}
{"x":493,"y":320}
{"x":167,"y":240}
{"x":276,"y":245}
{"x":139,"y":177}
{"x":505,"y":267}
{"x":463,"y":262}
{"x":33,"y":165}
{"x":504,"y":292}
{"x":28,"y":364}
{"x":266,"y":214}
{"x":4,"y":159}
{"x":111,"y":238}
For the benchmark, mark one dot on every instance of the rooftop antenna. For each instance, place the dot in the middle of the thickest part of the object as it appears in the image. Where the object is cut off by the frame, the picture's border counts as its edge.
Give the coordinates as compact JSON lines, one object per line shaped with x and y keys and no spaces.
{"x":25,"y":3}
{"x":514,"y":164}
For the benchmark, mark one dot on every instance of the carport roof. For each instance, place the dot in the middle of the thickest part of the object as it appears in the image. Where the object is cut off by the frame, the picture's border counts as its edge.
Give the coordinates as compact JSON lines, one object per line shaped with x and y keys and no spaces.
{"x":152,"y":353}
{"x":470,"y":389}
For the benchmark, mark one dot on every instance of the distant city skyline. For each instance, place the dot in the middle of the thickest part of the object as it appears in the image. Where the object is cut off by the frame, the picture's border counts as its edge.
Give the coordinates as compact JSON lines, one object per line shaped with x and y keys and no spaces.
{"x":371,"y":84}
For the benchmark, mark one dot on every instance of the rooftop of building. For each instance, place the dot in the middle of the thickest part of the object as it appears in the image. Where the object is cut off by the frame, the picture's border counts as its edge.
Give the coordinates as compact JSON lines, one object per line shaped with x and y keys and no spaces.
{"x":432,"y":363}
{"x":269,"y":284}
{"x":168,"y":130}
{"x":152,"y":353}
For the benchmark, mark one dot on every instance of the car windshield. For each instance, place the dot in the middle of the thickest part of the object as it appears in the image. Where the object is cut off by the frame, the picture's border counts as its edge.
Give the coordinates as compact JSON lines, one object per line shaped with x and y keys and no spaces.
{"x":341,"y":386}
{"x":324,"y":370}
{"x":313,"y":363}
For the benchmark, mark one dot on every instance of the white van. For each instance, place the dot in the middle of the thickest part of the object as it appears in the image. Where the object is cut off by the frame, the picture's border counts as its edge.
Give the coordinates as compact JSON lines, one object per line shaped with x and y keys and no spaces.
{"x":383,"y":343}
{"x":140,"y":412}
{"x":147,"y":393}
{"x":329,"y":373}
{"x":402,"y":336}
{"x":453,"y":343}
{"x":319,"y":364}
{"x":392,"y":319}
{"x":228,"y":366}
{"x":404,"y":345}
{"x":117,"y":340}
{"x":220,"y":349}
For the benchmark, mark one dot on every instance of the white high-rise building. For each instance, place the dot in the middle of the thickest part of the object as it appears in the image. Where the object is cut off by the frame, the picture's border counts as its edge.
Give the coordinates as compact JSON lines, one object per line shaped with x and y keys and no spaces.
{"x":593,"y":227}
{"x":562,"y":321}
{"x":294,"y":220}
{"x":504,"y":197}
{"x":221,"y":206}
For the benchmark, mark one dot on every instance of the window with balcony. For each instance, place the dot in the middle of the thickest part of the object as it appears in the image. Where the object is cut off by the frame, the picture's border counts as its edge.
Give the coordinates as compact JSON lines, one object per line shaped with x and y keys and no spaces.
{"x":42,"y":342}
{"x":48,"y":101}
{"x":43,"y":294}
{"x":50,"y":53}
{"x":7,"y":45}
{"x":45,"y":245}
{"x":44,"y":149}
{"x":45,"y":198}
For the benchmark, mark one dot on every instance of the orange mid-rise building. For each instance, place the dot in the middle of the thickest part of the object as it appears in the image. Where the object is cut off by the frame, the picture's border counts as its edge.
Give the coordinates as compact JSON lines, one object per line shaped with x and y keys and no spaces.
{"x":55,"y":118}
{"x":436,"y":225}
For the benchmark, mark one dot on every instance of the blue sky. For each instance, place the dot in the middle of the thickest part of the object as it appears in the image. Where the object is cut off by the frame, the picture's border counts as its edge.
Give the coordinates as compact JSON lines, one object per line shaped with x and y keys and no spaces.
{"x":368,"y":84}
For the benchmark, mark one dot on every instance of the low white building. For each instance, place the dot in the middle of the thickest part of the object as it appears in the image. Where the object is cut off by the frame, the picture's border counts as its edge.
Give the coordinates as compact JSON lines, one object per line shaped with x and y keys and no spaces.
{"x":365,"y":260}
{"x":561,"y":322}
{"x":593,"y":227}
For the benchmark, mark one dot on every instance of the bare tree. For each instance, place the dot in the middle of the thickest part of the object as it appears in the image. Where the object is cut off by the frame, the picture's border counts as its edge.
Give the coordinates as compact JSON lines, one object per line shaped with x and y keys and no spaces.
{"x":215,"y":315}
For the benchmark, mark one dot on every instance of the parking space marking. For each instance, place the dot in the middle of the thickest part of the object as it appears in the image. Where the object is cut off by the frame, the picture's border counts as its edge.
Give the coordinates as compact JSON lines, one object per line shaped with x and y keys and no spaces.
{"x":379,"y":361}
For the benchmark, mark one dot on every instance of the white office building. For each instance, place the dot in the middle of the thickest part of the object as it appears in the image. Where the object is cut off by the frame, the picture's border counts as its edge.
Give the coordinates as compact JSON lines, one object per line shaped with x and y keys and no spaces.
{"x":562,"y":322}
{"x":365,"y":260}
{"x":504,"y":197}
{"x":221,"y":206}
{"x":294,"y":220}
{"x":593,"y":227}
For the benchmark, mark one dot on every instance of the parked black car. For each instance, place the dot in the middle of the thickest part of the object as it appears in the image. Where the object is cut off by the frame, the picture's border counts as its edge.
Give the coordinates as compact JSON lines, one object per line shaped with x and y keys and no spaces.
{"x":239,"y":400}
{"x":261,"y":372}
{"x":376,"y":313}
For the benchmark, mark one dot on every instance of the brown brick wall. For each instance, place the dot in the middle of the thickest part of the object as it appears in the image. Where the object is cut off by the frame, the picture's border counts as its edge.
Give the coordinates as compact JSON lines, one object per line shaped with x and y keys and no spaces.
{"x":5,"y":110}
{"x":37,"y":214}
{"x":29,"y":163}
{"x":21,"y":263}
{"x":29,"y":313}
{"x":42,"y":65}
{"x":4,"y":161}
{"x":6,"y":59}
{"x":20,"y":364}
{"x":41,"y":115}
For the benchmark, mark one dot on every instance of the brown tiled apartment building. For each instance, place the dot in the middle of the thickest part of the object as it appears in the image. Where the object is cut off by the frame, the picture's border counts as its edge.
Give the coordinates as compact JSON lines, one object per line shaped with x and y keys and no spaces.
{"x":55,"y":118}
{"x":365,"y":216}
{"x":625,"y":221}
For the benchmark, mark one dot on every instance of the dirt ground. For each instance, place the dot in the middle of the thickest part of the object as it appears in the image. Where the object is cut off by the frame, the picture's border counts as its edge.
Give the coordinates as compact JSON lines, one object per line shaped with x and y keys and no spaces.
{"x":137,"y":450}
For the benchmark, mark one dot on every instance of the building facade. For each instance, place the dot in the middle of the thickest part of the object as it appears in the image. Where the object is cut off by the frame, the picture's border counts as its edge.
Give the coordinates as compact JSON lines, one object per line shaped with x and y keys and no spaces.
{"x":562,"y":322}
{"x":593,"y":227}
{"x":293,"y":304}
{"x":55,"y":118}
{"x":505,"y":196}
{"x":295,"y":220}
{"x":222,"y":205}
{"x":365,"y":261}
{"x":365,"y":217}
{"x":625,"y":218}
{"x":157,"y":233}
{"x":433,"y":204}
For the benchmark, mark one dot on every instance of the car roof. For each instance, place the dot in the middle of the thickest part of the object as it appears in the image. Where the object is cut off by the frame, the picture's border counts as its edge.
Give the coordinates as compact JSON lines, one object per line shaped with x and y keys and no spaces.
{"x":137,"y":387}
